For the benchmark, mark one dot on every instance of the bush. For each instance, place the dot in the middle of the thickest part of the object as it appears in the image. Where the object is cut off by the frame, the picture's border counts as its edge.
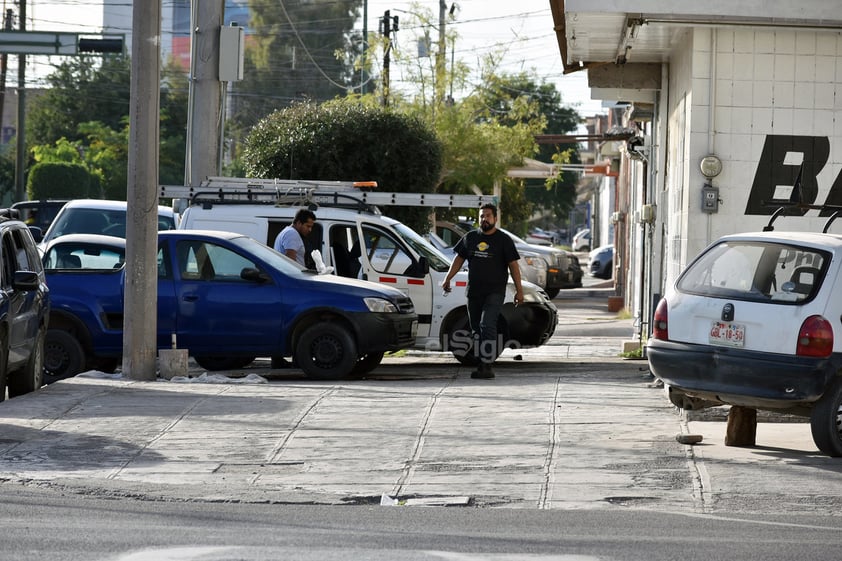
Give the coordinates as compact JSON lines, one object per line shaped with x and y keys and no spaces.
{"x":343,"y":140}
{"x":58,"y":180}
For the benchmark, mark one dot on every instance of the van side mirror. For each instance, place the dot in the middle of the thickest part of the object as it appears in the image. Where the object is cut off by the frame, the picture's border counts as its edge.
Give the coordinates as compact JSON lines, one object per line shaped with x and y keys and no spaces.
{"x":419,"y":269}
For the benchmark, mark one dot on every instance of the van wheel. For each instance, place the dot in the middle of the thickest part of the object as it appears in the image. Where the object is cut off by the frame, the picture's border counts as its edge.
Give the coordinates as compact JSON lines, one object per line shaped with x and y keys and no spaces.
{"x":826,"y":420}
{"x":326,"y":352}
{"x":213,"y":363}
{"x":367,"y":363}
{"x":63,"y":356}
{"x":30,"y":377}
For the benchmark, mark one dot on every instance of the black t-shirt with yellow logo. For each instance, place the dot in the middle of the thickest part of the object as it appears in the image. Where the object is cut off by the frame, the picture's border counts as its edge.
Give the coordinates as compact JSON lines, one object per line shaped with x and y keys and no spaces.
{"x":488,"y":256}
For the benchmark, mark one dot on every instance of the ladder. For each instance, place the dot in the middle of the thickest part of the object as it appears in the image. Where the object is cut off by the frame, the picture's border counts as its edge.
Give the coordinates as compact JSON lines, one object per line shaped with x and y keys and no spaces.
{"x":353,"y":194}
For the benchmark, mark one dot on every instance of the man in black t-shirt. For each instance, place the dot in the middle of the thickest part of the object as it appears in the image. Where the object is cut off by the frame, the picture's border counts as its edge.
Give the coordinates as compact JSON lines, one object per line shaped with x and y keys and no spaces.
{"x":491,"y":256}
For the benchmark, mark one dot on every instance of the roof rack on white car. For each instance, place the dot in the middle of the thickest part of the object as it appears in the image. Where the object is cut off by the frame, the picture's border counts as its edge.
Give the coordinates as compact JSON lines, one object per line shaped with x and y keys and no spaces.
{"x":358,"y":195}
{"x":796,"y":201}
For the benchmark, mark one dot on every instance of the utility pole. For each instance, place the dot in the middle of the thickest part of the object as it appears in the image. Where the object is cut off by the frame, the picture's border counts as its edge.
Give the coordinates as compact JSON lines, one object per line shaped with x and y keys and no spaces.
{"x":20,"y":159}
{"x":204,"y":100}
{"x":440,"y":56}
{"x":141,"y":285}
{"x":387,"y":25}
{"x":4,"y":65}
{"x":365,"y":47}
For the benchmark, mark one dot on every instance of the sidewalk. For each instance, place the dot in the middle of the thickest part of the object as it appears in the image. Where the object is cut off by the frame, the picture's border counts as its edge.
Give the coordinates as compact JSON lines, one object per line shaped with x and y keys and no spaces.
{"x":570,"y":425}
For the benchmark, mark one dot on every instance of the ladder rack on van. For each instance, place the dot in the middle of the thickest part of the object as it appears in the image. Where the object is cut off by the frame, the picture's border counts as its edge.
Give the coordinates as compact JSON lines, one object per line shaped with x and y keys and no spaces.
{"x":234,"y":190}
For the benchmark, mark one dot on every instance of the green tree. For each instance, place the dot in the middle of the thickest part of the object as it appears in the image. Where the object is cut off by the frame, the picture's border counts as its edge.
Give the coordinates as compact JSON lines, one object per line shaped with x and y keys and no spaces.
{"x":58,"y":180}
{"x":346,"y":140}
{"x":83,"y":118}
{"x":82,"y":89}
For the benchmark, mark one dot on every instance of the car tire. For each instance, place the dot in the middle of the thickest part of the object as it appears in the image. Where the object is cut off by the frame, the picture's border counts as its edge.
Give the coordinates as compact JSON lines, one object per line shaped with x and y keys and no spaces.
{"x":63,"y":356}
{"x":216,"y":362}
{"x":826,"y":420}
{"x":30,"y":377}
{"x":367,"y":363}
{"x":326,"y":351}
{"x":552,"y":292}
{"x":460,"y":343}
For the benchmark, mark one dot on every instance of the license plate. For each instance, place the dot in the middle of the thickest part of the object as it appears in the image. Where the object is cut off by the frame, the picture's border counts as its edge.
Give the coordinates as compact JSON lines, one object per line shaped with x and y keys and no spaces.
{"x":728,"y":334}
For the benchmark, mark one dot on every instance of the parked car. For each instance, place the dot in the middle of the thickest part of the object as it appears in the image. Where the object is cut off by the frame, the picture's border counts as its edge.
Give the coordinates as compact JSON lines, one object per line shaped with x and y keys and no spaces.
{"x":24,"y":309}
{"x":98,"y":216}
{"x":227,"y":299}
{"x":753,"y":321}
{"x":581,"y":240}
{"x":39,"y":214}
{"x":562,"y":267}
{"x":601,"y":262}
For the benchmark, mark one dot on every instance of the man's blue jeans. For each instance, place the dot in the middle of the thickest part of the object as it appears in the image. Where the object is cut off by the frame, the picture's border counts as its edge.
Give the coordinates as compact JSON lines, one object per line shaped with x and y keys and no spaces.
{"x":483,"y":310}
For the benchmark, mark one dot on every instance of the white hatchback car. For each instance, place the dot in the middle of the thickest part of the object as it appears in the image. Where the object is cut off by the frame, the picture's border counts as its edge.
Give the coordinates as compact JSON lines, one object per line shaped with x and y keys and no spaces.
{"x":751,"y":322}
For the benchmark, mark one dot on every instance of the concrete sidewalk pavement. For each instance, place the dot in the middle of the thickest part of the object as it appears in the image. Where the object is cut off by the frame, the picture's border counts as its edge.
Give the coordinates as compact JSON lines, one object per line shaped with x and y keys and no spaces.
{"x":569,"y":425}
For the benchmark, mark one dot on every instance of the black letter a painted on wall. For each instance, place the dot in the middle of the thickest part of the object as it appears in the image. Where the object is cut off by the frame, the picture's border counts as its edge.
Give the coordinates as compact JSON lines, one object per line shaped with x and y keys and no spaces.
{"x":773,"y":172}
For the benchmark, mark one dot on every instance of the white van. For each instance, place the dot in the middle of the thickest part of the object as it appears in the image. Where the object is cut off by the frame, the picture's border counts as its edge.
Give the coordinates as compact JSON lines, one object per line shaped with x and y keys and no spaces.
{"x":361,"y":242}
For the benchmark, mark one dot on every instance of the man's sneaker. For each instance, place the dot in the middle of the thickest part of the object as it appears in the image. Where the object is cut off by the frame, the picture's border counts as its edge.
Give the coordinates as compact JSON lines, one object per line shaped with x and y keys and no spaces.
{"x":484,"y":371}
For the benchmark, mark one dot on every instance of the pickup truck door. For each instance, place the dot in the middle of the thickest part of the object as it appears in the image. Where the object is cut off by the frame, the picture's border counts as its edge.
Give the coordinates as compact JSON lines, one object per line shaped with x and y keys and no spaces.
{"x":217,"y":309}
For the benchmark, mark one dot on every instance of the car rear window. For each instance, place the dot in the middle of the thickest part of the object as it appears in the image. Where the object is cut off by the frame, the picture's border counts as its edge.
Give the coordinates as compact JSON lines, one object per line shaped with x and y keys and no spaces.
{"x":757,"y":271}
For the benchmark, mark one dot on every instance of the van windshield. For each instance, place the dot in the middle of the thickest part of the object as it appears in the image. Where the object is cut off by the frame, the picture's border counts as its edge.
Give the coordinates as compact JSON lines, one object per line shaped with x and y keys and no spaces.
{"x":437,"y":260}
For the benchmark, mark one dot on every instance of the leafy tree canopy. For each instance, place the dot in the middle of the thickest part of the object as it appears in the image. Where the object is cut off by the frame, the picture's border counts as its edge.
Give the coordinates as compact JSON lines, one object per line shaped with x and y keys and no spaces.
{"x":346,"y":140}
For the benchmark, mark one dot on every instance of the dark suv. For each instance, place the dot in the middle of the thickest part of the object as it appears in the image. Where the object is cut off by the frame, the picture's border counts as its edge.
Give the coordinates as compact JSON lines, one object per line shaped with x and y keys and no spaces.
{"x":24,"y":308}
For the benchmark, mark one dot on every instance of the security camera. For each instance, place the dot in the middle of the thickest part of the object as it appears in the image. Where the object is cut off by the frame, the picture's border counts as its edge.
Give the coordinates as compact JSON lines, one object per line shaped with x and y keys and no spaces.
{"x":635,"y":143}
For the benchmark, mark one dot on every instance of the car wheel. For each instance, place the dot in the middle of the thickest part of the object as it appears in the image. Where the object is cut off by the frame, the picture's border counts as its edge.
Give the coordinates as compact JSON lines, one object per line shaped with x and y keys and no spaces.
{"x":460,"y":343}
{"x":826,"y":420}
{"x":552,"y":292}
{"x":223,"y":362}
{"x":326,"y":352}
{"x":63,"y":356}
{"x":367,"y":363}
{"x":30,"y":377}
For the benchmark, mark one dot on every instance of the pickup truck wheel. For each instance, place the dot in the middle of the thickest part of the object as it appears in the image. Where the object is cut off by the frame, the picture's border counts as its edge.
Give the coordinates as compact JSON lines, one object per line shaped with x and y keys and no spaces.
{"x":552,"y":292}
{"x":826,"y":420}
{"x":63,"y":356}
{"x":30,"y":377}
{"x":223,"y":362}
{"x":367,"y":363}
{"x":326,"y":351}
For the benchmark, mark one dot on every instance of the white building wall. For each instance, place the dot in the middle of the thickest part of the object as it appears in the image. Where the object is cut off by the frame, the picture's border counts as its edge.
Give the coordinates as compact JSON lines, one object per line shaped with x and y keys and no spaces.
{"x":735,"y":93}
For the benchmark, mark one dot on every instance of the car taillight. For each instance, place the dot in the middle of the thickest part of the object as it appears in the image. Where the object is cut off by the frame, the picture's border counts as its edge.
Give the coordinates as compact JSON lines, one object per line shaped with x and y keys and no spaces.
{"x":815,"y":338}
{"x":660,"y":330}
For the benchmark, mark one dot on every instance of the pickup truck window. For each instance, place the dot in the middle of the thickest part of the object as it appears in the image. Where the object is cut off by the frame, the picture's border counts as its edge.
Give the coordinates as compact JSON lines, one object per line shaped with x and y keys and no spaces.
{"x":206,"y":261}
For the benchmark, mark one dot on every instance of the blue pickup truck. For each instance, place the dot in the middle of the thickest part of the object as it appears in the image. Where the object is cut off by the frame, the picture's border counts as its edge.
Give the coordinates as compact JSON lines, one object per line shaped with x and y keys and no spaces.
{"x":227,"y":299}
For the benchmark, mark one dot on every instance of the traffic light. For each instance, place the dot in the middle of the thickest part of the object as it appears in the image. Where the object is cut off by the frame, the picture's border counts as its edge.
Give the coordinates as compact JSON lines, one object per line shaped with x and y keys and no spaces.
{"x":90,"y":45}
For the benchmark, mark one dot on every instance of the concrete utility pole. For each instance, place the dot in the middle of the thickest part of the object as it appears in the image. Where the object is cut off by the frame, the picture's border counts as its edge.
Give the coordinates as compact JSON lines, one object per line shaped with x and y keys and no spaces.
{"x":140,"y":307}
{"x":205,"y":102}
{"x":440,"y":56}
{"x":20,"y":167}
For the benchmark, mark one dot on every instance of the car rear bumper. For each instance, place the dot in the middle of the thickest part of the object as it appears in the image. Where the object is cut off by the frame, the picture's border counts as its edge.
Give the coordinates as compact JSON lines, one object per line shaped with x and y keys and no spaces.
{"x":557,"y":278}
{"x":740,"y":377}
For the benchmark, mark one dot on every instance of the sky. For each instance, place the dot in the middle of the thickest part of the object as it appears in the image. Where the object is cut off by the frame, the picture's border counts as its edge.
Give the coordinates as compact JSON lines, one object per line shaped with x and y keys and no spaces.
{"x":522,"y":29}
